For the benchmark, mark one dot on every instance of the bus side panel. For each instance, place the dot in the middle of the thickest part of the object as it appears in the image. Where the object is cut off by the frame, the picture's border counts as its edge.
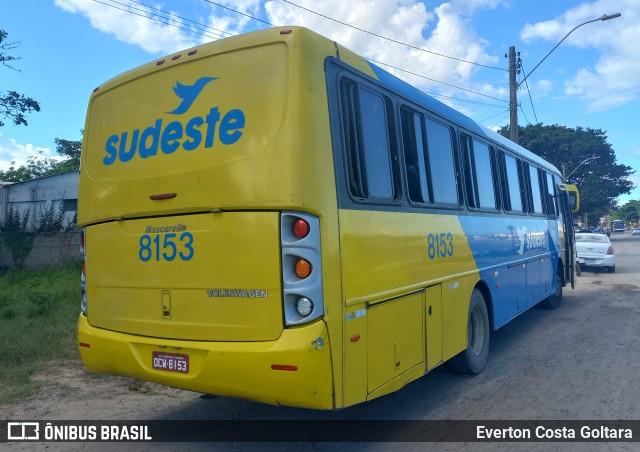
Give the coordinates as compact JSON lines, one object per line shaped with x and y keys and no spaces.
{"x":388,"y":260}
{"x":517,"y":257}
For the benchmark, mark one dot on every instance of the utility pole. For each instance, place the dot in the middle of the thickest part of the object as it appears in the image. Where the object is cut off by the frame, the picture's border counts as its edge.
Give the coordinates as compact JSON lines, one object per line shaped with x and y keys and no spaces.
{"x":513,"y":96}
{"x":513,"y":70}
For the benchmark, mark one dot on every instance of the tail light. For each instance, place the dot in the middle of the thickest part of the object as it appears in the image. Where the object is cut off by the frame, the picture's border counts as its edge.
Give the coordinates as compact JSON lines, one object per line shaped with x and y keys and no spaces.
{"x":83,"y":274}
{"x":610,"y":251}
{"x":300,"y":228}
{"x":301,"y":268}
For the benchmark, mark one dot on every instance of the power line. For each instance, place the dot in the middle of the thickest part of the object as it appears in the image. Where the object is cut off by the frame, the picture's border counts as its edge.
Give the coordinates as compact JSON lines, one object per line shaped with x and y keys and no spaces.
{"x":437,"y":81}
{"x":501,"y":119}
{"x":200,"y":25}
{"x":129,"y":9}
{"x":528,"y":91}
{"x":391,"y":39}
{"x":239,"y":12}
{"x":525,"y":115}
{"x":497,"y":114}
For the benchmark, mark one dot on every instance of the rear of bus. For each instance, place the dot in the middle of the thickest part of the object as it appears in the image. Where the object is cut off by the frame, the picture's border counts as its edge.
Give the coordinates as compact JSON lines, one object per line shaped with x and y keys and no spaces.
{"x":206,"y":191}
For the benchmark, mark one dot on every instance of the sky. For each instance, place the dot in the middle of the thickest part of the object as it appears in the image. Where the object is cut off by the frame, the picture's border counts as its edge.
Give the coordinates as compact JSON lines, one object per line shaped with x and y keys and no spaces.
{"x":455,"y":50}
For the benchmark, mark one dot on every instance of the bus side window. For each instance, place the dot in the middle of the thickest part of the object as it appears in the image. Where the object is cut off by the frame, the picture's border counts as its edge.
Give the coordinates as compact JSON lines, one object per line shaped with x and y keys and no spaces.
{"x":480,"y":175}
{"x":415,"y":166}
{"x":368,"y":150}
{"x":512,"y":188}
{"x":535,"y":192}
{"x":429,"y":159}
{"x":354,"y":163}
{"x":441,"y":163}
{"x":552,"y":203}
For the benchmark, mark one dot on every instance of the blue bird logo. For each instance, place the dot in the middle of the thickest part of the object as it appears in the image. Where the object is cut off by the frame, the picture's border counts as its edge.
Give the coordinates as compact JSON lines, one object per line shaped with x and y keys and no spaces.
{"x":189,"y":93}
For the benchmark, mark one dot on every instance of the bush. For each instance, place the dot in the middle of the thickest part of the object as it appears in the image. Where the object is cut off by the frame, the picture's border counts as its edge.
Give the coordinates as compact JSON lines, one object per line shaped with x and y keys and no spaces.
{"x":38,"y":315}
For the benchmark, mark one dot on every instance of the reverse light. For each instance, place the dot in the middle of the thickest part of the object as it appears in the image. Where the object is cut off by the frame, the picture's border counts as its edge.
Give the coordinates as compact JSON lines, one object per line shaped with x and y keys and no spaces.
{"x":304,"y":306}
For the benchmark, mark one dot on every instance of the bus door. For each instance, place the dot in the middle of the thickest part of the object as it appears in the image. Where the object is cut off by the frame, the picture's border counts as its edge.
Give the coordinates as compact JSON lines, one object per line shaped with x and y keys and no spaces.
{"x":569,"y":203}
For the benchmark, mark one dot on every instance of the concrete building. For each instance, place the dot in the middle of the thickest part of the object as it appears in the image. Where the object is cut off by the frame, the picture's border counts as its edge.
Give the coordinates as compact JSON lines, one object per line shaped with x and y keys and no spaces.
{"x":37,"y":195}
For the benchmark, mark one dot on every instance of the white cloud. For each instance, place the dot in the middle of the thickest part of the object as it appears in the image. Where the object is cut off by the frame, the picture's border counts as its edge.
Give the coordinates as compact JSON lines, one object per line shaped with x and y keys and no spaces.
{"x":133,"y":25}
{"x":448,"y":27}
{"x":614,"y":79}
{"x":543,"y":87}
{"x":12,"y":152}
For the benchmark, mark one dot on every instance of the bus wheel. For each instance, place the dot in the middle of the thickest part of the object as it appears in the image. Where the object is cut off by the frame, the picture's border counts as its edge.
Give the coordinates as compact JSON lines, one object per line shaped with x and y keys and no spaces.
{"x":554,"y":300}
{"x":472,"y":360}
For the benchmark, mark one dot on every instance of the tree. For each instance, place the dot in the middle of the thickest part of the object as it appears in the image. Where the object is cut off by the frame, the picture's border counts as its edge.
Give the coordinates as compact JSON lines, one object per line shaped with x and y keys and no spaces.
{"x":39,"y":166}
{"x":13,"y":105}
{"x":586,"y":159}
{"x":629,"y":213}
{"x":70,"y":149}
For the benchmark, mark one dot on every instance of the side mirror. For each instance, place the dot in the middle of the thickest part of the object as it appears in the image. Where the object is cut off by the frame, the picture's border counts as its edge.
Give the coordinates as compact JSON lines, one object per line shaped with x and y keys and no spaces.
{"x":573,"y":196}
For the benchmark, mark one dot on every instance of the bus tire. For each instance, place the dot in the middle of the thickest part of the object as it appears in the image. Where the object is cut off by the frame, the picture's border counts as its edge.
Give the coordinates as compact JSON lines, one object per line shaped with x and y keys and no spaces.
{"x":473,"y":360}
{"x":553,"y":302}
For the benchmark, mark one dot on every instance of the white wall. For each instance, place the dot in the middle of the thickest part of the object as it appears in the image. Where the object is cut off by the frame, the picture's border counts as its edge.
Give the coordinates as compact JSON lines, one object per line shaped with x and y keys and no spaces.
{"x":36,"y":196}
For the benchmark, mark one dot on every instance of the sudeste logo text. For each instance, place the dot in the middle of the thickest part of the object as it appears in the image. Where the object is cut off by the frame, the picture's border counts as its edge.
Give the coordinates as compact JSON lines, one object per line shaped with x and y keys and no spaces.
{"x":167,"y":137}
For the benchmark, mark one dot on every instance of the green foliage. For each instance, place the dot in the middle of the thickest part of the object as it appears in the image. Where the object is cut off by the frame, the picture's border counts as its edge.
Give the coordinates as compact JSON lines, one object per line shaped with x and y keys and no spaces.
{"x":50,"y":220}
{"x":13,"y":105}
{"x":38,"y":313}
{"x":586,"y":158}
{"x":629,"y":213}
{"x":70,"y":149}
{"x":14,"y":222}
{"x":20,"y":244}
{"x":37,"y":166}
{"x":18,"y":237}
{"x":73,"y":224}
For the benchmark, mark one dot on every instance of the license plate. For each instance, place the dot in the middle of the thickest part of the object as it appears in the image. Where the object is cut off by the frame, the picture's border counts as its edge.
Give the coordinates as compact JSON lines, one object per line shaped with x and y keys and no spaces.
{"x":171,"y":362}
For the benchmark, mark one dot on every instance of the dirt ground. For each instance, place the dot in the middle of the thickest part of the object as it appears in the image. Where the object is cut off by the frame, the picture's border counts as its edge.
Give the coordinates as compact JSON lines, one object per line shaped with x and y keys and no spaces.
{"x":70,"y":392}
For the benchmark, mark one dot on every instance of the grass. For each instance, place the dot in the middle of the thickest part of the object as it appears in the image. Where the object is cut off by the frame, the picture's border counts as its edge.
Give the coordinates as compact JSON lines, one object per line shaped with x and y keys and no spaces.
{"x":38,"y":315}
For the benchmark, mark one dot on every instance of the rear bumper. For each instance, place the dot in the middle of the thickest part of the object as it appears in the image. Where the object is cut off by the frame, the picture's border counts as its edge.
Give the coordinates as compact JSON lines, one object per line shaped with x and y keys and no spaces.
{"x":598,"y":261}
{"x":233,"y":369}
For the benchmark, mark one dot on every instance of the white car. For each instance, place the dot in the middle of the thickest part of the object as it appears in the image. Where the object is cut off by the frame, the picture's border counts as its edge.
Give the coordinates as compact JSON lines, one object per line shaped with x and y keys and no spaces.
{"x":595,"y":250}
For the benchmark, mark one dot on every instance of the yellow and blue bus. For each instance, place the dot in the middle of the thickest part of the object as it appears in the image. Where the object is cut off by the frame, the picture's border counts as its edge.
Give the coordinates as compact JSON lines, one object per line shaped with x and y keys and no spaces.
{"x":271,"y":217}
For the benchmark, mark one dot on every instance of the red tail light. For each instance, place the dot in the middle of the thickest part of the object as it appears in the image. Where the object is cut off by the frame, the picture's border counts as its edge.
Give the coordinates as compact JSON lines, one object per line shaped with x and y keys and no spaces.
{"x":300,"y":228}
{"x":610,"y":251}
